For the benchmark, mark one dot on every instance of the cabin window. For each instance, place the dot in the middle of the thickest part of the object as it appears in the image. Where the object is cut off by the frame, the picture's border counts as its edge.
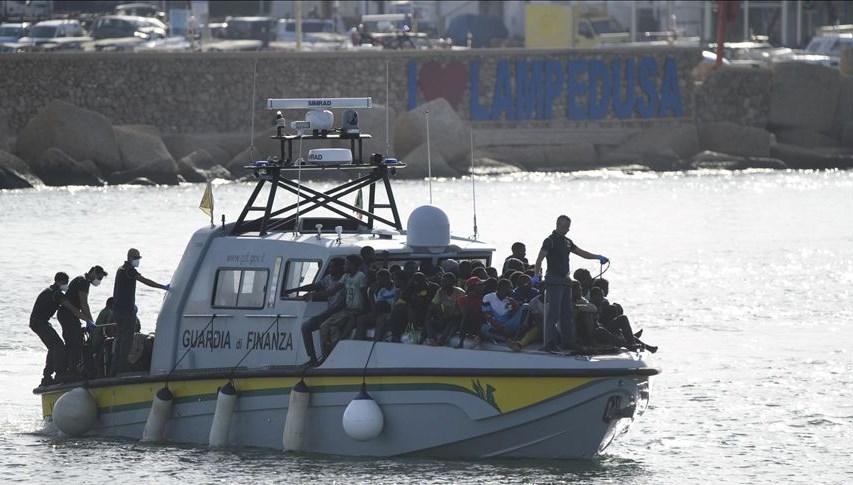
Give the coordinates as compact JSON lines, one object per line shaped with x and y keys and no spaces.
{"x":298,"y":275}
{"x":240,"y":288}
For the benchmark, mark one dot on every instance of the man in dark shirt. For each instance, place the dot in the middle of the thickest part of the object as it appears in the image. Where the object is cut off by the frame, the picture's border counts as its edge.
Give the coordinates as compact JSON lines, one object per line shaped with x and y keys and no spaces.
{"x":124,"y":308}
{"x":45,"y":306}
{"x":72,"y":334}
{"x":558,"y":295}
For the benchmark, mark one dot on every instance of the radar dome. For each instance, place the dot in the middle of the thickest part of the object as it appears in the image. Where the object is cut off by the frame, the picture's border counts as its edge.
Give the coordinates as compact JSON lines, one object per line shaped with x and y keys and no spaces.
{"x":428,"y":228}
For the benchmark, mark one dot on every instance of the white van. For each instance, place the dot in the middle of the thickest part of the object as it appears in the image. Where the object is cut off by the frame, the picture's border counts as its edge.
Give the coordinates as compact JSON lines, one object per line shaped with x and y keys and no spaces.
{"x":286,"y":31}
{"x":61,"y":34}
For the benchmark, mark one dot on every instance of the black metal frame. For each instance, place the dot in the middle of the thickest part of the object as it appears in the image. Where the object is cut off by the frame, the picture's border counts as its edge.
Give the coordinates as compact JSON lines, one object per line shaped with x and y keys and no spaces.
{"x":310,"y":199}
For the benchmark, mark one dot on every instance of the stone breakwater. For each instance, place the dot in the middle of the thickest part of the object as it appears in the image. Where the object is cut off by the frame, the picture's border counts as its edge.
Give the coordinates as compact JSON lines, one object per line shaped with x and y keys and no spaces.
{"x":117,"y":118}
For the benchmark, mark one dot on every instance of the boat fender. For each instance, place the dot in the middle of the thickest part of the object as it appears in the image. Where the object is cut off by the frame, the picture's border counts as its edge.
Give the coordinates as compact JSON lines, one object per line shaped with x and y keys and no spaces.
{"x":226,"y":400}
{"x":363,"y":419}
{"x":75,"y":412}
{"x":294,"y":424}
{"x":161,"y":409}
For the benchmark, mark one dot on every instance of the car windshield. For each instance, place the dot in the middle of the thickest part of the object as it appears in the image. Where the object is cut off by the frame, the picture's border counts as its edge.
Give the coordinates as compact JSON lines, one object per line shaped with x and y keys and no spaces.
{"x":607,"y":26}
{"x":45,"y":31}
{"x":9,"y":31}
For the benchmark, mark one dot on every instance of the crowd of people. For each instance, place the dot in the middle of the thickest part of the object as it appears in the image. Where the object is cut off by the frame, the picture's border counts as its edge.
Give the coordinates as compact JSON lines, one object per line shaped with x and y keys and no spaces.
{"x":74,"y":357}
{"x":465,"y":302}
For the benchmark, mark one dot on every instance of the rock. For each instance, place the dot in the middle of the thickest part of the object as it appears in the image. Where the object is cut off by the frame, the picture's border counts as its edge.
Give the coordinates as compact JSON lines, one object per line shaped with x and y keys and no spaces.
{"x":449,"y":134}
{"x":143,"y":153}
{"x":528,"y":157}
{"x":723,"y":161}
{"x":489,"y":166}
{"x":56,"y":168}
{"x":199,"y":158}
{"x":141,"y":181}
{"x":193,"y":173}
{"x":416,"y":165}
{"x":189,"y":172}
{"x":222,"y":147}
{"x":740,"y":94}
{"x":159,"y":172}
{"x":655,"y":145}
{"x":15,"y":174}
{"x":264,"y":147}
{"x":80,"y":133}
{"x":846,"y":135}
{"x":843,"y":109}
{"x":798,"y":157}
{"x":805,"y":138}
{"x":803,"y":95}
{"x":578,"y":156}
{"x":727,"y":137}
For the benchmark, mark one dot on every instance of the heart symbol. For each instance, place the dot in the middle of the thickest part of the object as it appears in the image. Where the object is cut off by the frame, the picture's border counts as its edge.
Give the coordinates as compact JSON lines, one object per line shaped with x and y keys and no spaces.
{"x":446,"y":81}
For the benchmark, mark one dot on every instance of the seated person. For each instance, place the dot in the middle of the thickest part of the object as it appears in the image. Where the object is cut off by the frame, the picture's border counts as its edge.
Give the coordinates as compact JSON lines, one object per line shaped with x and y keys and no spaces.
{"x":524,"y":290}
{"x":582,"y":275}
{"x":471,"y":309}
{"x":444,"y":311}
{"x":326,"y":289}
{"x":412,"y":306}
{"x":589,"y":331}
{"x":504,"y":314}
{"x":381,"y":300}
{"x":353,"y":282}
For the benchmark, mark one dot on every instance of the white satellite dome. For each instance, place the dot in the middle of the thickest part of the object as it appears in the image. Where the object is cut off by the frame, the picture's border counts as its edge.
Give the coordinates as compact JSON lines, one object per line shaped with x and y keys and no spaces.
{"x":428,"y":228}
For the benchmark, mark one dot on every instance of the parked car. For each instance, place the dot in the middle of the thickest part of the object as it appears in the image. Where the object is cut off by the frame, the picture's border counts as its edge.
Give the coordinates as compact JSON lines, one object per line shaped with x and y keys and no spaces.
{"x":11,"y":32}
{"x":54,"y":35}
{"x":117,"y":26}
{"x":251,"y":28}
{"x":141,"y":10}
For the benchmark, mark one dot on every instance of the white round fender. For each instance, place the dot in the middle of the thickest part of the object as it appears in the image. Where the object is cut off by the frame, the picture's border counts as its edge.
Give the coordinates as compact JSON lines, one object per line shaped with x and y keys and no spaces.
{"x":221,"y":425}
{"x":161,"y":409}
{"x":294,"y":424}
{"x":75,"y":412}
{"x":363,"y":419}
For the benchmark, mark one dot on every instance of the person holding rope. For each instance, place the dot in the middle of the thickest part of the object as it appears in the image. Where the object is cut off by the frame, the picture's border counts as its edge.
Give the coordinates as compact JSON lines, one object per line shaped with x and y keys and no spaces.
{"x":558,"y":295}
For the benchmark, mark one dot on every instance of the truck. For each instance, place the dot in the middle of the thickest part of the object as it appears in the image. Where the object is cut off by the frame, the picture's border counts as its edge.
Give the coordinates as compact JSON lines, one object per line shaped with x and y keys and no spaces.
{"x":556,"y":26}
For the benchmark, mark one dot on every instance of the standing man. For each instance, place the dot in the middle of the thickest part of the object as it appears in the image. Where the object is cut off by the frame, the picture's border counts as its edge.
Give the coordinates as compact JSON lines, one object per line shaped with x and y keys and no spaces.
{"x":78,"y":295}
{"x":45,"y":306}
{"x":558,"y":295}
{"x":124,"y":308}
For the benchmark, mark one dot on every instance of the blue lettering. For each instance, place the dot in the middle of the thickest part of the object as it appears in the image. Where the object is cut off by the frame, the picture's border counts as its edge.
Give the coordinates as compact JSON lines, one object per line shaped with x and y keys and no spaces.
{"x":478,"y":111}
{"x":553,"y":86}
{"x":577,"y":88}
{"x":412,"y":84}
{"x":528,"y":90}
{"x":502,"y":98}
{"x":670,"y":93}
{"x":648,"y":71}
{"x":599,"y":89}
{"x":623,"y":108}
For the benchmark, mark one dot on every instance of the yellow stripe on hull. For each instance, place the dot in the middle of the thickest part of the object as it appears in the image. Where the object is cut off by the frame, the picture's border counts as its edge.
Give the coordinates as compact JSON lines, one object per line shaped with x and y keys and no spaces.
{"x":505,"y":394}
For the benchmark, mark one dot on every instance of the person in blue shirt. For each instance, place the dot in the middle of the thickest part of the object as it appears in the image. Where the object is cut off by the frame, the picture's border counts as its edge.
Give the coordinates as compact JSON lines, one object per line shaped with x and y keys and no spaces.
{"x":124,"y":308}
{"x":556,"y":249}
{"x":48,"y":301}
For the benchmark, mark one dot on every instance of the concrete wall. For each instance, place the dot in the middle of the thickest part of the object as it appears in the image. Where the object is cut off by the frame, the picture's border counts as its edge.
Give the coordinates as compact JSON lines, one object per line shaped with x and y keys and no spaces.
{"x":196,"y":93}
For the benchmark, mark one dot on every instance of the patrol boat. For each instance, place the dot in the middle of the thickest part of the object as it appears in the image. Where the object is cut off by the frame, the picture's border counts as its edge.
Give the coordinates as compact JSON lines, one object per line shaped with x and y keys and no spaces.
{"x":229,"y":369}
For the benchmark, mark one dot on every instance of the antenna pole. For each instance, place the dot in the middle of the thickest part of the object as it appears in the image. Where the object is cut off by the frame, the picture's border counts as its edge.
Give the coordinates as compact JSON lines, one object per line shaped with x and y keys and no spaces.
{"x":429,"y":158}
{"x":387,"y":107}
{"x":252,"y":135}
{"x":473,"y":185}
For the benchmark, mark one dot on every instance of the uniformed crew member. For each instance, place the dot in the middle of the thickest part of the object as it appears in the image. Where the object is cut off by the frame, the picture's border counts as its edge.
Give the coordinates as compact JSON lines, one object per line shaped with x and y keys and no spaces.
{"x":124,"y":308}
{"x":45,"y":306}
{"x":78,"y":296}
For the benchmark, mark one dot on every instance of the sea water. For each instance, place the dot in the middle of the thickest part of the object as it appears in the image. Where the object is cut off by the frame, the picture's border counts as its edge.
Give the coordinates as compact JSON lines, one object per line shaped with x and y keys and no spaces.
{"x":744,"y":280}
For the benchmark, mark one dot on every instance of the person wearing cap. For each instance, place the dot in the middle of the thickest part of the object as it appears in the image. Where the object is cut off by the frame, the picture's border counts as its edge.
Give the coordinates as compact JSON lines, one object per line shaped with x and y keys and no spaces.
{"x":558,"y":298}
{"x":48,"y":301}
{"x":124,"y":308}
{"x":78,"y":295}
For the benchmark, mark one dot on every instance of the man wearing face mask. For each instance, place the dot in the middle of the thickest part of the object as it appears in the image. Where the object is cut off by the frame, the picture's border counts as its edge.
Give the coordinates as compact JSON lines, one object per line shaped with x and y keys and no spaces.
{"x":124,"y":308}
{"x":48,"y":301}
{"x":78,"y":296}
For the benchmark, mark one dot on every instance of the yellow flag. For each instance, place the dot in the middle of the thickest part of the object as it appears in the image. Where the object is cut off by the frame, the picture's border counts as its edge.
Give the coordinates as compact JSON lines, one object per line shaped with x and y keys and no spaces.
{"x":206,"y":204}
